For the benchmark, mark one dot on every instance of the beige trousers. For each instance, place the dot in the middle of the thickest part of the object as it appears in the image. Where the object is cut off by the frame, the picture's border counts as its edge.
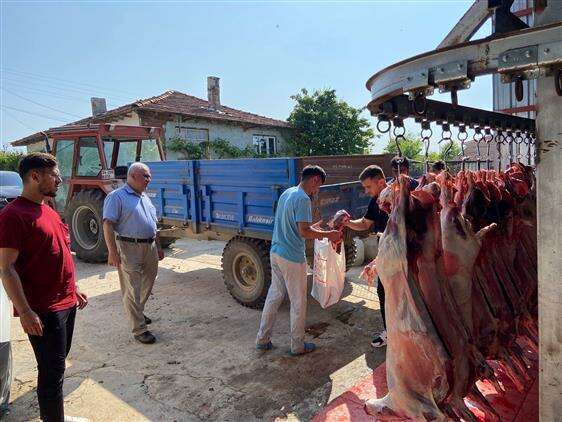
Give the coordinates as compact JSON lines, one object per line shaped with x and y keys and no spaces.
{"x":286,"y":278}
{"x":137,"y":272}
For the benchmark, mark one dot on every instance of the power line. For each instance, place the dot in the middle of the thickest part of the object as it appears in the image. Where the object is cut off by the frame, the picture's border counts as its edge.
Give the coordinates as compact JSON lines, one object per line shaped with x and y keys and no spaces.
{"x":84,"y":91}
{"x":39,"y":104}
{"x":25,"y":87}
{"x":33,"y":114}
{"x":64,"y":81}
{"x":9,"y":113}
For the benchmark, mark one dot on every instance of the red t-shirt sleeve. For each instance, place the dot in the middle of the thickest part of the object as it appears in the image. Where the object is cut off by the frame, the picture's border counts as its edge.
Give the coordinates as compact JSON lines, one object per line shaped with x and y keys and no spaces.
{"x":11,"y":231}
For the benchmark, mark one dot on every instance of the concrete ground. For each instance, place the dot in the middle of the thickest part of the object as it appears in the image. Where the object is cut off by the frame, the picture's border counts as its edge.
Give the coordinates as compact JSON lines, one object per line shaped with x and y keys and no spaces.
{"x":204,"y":365}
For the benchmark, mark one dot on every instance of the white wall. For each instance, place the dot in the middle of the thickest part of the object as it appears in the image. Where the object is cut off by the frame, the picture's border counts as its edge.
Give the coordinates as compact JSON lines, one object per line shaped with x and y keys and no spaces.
{"x":236,"y":135}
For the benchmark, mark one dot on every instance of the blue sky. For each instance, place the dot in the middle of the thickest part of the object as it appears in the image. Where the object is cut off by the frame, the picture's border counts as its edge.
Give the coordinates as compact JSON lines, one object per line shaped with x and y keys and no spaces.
{"x":56,"y":55}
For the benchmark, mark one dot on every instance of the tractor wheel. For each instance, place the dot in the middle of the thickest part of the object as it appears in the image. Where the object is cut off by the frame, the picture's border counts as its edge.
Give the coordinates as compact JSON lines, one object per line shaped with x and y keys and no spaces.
{"x":84,"y":218}
{"x":246,"y":270}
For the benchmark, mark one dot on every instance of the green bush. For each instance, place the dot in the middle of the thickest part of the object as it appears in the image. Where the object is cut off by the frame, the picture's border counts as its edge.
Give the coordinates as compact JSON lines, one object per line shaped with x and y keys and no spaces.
{"x":219,"y":148}
{"x":9,"y":160}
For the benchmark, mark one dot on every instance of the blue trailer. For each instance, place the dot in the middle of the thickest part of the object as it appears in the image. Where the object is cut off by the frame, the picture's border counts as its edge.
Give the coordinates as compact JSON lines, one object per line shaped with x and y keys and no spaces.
{"x":235,"y":200}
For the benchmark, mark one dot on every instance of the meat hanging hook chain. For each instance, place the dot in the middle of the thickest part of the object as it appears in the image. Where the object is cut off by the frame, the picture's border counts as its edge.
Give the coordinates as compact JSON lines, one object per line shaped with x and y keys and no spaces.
{"x":447,"y":136}
{"x":477,"y":139}
{"x":399,"y":131}
{"x":488,"y":138}
{"x":509,"y":139}
{"x":500,"y":140}
{"x":426,"y":134}
{"x":518,"y":140}
{"x":533,"y":148}
{"x":462,"y":136}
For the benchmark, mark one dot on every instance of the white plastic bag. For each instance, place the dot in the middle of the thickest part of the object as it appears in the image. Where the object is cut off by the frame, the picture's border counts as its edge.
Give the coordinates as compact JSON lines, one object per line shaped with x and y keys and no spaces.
{"x":329,"y":273}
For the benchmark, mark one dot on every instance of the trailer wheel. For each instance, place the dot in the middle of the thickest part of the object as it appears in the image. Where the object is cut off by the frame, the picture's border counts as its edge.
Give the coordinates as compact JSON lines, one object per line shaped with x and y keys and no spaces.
{"x":246,"y":270}
{"x":84,"y":218}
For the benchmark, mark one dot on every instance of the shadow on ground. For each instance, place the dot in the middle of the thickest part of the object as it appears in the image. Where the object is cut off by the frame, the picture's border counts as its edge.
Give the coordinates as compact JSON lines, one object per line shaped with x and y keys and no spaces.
{"x":204,"y":365}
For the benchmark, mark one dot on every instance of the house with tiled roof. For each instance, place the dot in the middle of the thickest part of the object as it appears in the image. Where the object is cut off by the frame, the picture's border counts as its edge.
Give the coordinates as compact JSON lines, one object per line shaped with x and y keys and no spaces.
{"x":189,"y":118}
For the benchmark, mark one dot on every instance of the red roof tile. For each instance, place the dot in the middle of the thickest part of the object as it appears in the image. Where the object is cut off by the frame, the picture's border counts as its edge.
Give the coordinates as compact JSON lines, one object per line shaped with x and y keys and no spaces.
{"x":177,"y":103}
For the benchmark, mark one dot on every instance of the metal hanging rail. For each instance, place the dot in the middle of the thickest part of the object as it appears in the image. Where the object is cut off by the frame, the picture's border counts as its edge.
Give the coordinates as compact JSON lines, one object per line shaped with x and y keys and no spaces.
{"x":524,"y":54}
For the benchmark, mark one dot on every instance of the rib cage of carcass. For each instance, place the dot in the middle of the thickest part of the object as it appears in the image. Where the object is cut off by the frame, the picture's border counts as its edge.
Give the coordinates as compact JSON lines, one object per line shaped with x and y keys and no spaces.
{"x":458,"y":263}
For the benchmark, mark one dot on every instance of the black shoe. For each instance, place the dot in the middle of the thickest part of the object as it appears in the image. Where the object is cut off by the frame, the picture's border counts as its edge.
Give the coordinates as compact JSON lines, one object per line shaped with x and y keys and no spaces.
{"x":145,"y":338}
{"x":147,"y":320}
{"x":379,"y":340}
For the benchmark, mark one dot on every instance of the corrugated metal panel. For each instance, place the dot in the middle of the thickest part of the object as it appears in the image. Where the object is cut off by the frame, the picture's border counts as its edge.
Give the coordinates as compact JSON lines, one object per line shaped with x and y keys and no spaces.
{"x":504,"y":94}
{"x":341,"y":169}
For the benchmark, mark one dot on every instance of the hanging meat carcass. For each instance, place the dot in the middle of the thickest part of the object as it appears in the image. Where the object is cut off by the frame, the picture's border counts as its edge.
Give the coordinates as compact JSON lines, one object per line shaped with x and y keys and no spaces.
{"x":458,"y":262}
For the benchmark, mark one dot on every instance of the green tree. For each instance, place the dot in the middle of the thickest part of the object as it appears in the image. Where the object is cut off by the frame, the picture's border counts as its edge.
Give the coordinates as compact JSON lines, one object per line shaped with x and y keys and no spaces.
{"x":414,"y":148}
{"x":219,"y":148}
{"x":9,"y":160}
{"x":410,"y":146}
{"x":326,"y":126}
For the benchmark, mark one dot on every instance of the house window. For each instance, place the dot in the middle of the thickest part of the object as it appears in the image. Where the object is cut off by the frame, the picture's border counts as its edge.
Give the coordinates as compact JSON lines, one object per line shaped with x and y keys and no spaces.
{"x":192,"y":134}
{"x":265,"y":144}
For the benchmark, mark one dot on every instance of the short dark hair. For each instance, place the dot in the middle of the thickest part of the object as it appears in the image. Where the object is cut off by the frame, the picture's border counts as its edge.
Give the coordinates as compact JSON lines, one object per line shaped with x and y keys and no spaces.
{"x":404,"y":162}
{"x":438,"y":165}
{"x":35,"y":161}
{"x":371,"y":172}
{"x":311,"y":171}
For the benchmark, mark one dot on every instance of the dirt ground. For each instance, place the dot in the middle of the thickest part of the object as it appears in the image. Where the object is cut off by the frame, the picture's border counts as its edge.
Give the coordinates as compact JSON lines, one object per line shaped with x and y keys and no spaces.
{"x":204,"y":365}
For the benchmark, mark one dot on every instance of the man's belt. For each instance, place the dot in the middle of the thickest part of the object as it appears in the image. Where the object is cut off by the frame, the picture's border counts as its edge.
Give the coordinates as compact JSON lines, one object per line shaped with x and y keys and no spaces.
{"x":133,"y":240}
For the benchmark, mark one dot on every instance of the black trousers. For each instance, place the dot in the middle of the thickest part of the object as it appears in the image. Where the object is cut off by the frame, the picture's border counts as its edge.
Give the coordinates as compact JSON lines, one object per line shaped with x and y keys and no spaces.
{"x":51,"y":350}
{"x":380,"y":294}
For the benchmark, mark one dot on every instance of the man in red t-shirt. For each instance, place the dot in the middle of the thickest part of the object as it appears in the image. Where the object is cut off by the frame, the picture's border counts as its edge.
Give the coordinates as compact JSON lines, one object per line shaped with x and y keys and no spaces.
{"x":38,"y":274}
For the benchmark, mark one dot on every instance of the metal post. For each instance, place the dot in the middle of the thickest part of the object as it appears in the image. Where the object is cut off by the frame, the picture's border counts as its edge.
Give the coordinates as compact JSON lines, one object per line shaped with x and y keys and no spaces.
{"x":549,"y":216}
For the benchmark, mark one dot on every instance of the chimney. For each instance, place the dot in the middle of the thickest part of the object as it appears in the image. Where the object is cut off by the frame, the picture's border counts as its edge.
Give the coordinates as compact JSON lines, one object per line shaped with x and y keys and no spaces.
{"x":98,"y":106}
{"x":213,"y":92}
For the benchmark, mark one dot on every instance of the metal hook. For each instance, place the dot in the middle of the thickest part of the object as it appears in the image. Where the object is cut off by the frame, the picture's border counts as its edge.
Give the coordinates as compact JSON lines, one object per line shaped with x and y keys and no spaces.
{"x":500,"y":140}
{"x":509,"y":139}
{"x":477,"y":138}
{"x":518,"y":140}
{"x":488,"y":138}
{"x":398,"y":124}
{"x":426,"y":134}
{"x":446,"y":135}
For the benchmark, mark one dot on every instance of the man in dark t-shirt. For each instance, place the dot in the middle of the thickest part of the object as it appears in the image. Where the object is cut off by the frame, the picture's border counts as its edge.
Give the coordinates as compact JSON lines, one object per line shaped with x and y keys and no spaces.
{"x":373,"y":181}
{"x":38,"y":274}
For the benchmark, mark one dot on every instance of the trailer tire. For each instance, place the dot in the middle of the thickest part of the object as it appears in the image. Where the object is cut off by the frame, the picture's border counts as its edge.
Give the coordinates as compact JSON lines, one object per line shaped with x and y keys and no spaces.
{"x":246,"y":270}
{"x":84,"y":216}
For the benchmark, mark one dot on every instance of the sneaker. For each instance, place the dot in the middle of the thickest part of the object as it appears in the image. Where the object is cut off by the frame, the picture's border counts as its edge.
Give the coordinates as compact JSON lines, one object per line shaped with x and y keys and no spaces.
{"x":145,"y":338}
{"x":308,"y":348}
{"x":264,"y":346}
{"x":379,"y":340}
{"x":75,"y":419}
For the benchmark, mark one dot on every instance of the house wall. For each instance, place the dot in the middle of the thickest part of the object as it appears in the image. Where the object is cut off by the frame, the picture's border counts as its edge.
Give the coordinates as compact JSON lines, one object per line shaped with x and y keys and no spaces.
{"x":237,"y":134}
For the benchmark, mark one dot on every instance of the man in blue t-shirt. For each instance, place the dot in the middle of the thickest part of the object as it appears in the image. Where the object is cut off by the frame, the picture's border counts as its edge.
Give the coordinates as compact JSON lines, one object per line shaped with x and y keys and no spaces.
{"x":293,"y":225}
